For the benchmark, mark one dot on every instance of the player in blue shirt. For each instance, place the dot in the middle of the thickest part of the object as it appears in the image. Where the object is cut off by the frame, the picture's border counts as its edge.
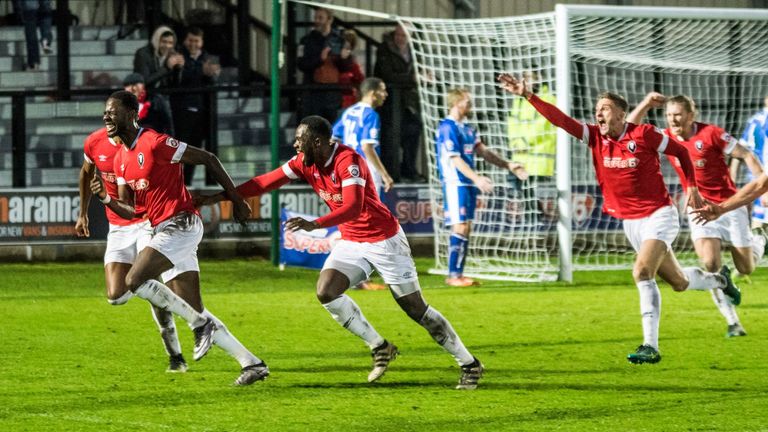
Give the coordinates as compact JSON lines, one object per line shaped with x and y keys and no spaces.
{"x":754,"y":137}
{"x":457,"y":143}
{"x":359,"y":126}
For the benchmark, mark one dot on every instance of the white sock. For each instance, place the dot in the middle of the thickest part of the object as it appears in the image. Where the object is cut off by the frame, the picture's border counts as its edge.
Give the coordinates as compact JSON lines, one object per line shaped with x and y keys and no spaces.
{"x":167,"y":326}
{"x":758,"y":248}
{"x":725,"y":307}
{"x":229,"y":343}
{"x":162,"y":297}
{"x":650,"y":310}
{"x":123,"y":299}
{"x":442,"y":332}
{"x":699,"y":280}
{"x":346,"y":312}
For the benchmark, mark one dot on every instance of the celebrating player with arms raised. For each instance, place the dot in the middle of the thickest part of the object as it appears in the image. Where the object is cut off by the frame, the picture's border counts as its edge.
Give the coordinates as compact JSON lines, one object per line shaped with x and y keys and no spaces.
{"x":371,"y":239}
{"x":626,"y":161}
{"x":151,"y":181}
{"x":707,"y":146}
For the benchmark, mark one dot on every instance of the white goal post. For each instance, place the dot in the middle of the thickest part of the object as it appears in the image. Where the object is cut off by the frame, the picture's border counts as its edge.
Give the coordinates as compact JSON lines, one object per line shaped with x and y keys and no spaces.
{"x":547,"y":228}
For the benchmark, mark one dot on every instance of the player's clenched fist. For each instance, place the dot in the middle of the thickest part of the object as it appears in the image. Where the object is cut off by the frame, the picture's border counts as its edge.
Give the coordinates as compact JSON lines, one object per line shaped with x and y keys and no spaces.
{"x":97,"y":187}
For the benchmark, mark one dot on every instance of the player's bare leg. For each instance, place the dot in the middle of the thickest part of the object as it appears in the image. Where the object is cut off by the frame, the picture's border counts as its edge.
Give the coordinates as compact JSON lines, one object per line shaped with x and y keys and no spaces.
{"x":331,"y":286}
{"x":187,"y":286}
{"x":442,"y":332}
{"x":118,"y":294}
{"x":709,"y":250}
{"x":140,"y":280}
{"x":457,"y":255}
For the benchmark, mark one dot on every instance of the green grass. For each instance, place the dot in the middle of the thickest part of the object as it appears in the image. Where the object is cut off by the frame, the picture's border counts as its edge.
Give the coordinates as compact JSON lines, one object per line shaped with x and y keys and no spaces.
{"x":554,"y":357}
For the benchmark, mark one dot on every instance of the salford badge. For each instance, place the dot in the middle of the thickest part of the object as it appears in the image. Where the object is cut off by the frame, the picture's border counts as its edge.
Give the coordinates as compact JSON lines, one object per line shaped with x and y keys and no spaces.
{"x":699,"y":145}
{"x":354,"y":170}
{"x":632,"y":146}
{"x":140,"y":159}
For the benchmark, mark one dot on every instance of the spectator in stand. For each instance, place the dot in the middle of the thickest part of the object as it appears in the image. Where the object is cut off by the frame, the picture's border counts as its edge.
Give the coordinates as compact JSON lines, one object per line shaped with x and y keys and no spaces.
{"x":190,"y":110}
{"x":394,"y":64}
{"x":154,"y":110}
{"x":322,"y":59}
{"x":158,"y":61}
{"x":34,"y":14}
{"x":354,"y":76}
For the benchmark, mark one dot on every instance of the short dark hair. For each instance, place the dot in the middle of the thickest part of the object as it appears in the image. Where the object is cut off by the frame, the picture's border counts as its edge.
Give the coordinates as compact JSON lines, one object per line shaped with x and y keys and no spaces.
{"x":370,"y":84}
{"x":616,"y":99}
{"x":686,"y":101}
{"x":318,"y":127}
{"x":195,"y":31}
{"x":127,"y":99}
{"x":168,"y":33}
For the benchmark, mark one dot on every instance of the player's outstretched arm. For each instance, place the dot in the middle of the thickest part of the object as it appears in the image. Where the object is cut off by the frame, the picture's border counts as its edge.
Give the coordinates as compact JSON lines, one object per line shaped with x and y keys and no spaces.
{"x":651,"y":100}
{"x":549,"y":111}
{"x":742,"y":153}
{"x":747,"y":194}
{"x":195,"y":156}
{"x":516,"y":168}
{"x":87,"y":172}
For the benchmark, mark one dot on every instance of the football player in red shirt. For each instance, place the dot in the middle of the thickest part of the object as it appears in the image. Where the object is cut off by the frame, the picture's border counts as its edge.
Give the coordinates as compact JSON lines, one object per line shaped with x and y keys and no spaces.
{"x":126,"y":238}
{"x":708,"y":146}
{"x":371,"y":238}
{"x":626,"y":161}
{"x":150,"y":182}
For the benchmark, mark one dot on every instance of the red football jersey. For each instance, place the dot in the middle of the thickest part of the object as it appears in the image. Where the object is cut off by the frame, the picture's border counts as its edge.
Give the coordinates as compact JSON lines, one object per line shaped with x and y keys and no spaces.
{"x":100,"y":150}
{"x":346,"y":168}
{"x":707,"y":147}
{"x":628,"y":170}
{"x":151,"y":168}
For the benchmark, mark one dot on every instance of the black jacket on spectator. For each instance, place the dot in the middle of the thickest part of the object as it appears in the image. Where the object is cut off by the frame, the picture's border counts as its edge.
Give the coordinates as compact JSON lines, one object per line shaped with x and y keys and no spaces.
{"x":149,"y":66}
{"x":159,"y":116}
{"x":314,"y":43}
{"x":394,"y":69}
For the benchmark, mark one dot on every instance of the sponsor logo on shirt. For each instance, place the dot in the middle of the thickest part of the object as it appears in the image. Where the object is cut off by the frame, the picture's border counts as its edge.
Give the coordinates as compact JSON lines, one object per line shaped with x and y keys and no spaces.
{"x":699,"y":145}
{"x":632,"y":146}
{"x":139,"y":184}
{"x":109,"y":177}
{"x":468,"y":148}
{"x":326,"y":196}
{"x":354,"y":170}
{"x":617,"y":162}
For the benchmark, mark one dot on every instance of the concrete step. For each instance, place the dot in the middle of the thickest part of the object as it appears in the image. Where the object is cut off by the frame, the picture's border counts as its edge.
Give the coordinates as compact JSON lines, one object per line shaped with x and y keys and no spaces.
{"x":50,"y":111}
{"x":241,"y":105}
{"x":78,"y":48}
{"x":77,"y":63}
{"x":244,"y":154}
{"x":59,"y":177}
{"x":47,"y":79}
{"x":79,"y":33}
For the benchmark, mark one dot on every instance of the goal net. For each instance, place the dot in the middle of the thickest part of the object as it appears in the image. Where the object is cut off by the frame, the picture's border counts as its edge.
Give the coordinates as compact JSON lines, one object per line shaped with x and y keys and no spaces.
{"x":552,"y":224}
{"x":572,"y":55}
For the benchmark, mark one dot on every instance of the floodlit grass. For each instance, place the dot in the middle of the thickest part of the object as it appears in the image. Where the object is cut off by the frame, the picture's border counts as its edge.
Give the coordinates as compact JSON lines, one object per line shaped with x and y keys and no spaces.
{"x":554,"y":357}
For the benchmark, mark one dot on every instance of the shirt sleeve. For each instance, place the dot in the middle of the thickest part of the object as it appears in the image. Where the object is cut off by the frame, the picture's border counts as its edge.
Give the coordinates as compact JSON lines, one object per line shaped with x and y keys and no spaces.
{"x":371,"y":128}
{"x":726,"y":141}
{"x":449,"y":140}
{"x":87,"y":150}
{"x":168,"y":150}
{"x":560,"y":119}
{"x":338,"y":130}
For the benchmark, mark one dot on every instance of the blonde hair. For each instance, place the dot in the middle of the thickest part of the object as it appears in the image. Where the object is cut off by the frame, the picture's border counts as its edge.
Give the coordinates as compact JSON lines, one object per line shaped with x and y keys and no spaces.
{"x":686,"y":101}
{"x":455,"y":95}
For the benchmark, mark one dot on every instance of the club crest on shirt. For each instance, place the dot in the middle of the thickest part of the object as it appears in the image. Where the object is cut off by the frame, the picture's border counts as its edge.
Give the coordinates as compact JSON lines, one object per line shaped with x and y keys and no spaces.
{"x":333,"y":177}
{"x":140,"y":159}
{"x":172,"y":142}
{"x":632,"y":146}
{"x":354,"y":170}
{"x":699,"y":145}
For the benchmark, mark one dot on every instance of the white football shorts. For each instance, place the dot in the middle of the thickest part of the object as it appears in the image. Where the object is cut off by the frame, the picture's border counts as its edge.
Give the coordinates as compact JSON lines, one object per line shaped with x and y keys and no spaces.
{"x":124,"y":242}
{"x":732,"y":227}
{"x":177,"y":239}
{"x":391,"y":258}
{"x":663,"y":224}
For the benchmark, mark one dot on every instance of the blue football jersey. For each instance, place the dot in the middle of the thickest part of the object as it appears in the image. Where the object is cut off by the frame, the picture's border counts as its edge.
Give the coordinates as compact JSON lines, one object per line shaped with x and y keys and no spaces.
{"x":358,"y":125}
{"x":455,"y":139}
{"x":754,"y":136}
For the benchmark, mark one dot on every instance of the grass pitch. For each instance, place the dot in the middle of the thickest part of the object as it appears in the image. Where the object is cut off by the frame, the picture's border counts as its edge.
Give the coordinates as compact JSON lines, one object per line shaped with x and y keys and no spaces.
{"x":554,"y":357}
